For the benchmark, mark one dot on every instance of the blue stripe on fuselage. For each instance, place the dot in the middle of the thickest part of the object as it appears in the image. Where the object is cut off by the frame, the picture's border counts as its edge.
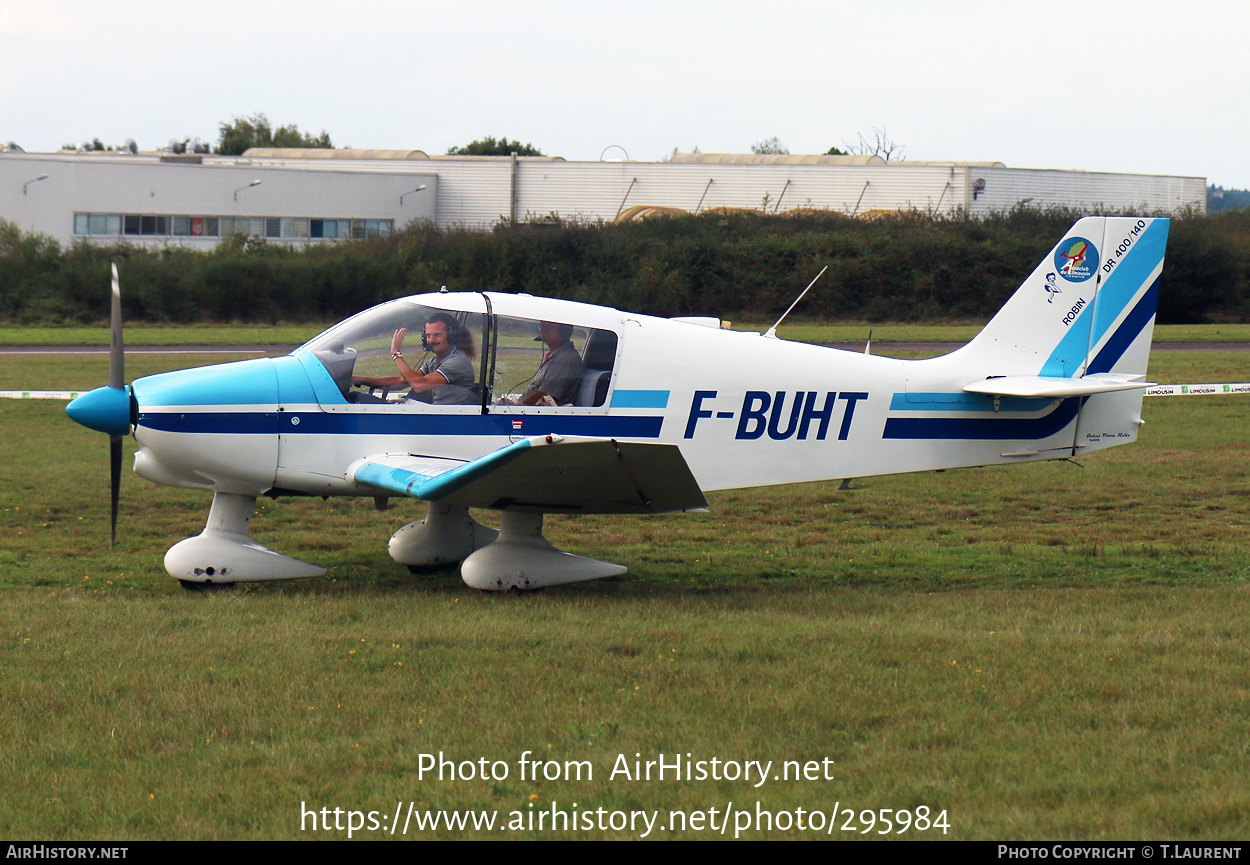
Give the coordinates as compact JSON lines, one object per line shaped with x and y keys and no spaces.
{"x":407,"y":424}
{"x":212,"y":423}
{"x":640,"y":399}
{"x":965,"y":402}
{"x":1017,"y":429}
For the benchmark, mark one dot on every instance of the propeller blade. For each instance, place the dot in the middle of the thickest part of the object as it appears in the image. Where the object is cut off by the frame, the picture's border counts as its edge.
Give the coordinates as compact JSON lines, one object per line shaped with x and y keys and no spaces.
{"x":110,"y":409}
{"x":117,"y":351}
{"x":115,"y":479}
{"x":117,"y":379}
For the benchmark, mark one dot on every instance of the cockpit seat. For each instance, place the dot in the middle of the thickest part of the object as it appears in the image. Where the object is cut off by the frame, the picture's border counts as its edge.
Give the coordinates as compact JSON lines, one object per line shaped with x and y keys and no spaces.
{"x":594,"y":387}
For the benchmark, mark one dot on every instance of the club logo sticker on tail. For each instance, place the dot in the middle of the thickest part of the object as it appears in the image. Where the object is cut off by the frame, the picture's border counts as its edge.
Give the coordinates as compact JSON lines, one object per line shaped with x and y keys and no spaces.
{"x":1076,"y":259}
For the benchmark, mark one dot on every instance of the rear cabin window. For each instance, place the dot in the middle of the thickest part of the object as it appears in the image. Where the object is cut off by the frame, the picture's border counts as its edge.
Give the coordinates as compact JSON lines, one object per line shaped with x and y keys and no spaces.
{"x":529,"y":371}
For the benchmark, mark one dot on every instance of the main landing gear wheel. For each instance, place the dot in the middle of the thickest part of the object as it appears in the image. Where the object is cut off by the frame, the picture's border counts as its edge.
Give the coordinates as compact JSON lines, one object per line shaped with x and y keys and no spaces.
{"x":429,"y":570}
{"x":522,"y":559}
{"x":441,"y":541}
{"x":206,"y":586}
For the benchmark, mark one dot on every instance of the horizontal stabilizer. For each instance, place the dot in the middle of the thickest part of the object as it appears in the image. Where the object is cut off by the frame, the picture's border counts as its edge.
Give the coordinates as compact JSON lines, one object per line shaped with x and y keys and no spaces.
{"x":546,"y":474}
{"x":1055,"y":387}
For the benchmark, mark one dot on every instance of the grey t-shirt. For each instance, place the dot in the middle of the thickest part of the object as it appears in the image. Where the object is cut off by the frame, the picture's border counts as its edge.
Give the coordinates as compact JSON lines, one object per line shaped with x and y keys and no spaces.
{"x":458,"y":370}
{"x":560,"y":375}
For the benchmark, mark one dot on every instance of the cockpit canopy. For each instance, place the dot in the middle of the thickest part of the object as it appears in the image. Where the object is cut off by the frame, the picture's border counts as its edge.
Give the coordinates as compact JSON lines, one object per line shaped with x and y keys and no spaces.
{"x":506,"y":353}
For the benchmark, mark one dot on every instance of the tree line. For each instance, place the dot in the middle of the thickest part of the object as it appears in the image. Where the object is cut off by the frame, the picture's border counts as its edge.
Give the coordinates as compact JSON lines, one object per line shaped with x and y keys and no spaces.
{"x":739,"y":264}
{"x":237,"y":135}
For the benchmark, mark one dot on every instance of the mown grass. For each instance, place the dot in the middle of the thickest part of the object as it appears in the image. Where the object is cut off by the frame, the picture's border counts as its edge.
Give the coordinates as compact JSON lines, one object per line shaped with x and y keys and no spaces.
{"x":1083,"y":714}
{"x":1045,"y":652}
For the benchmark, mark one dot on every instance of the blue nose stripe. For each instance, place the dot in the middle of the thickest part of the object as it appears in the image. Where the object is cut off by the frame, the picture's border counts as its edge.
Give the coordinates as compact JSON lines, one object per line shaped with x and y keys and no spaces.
{"x":105,"y":409}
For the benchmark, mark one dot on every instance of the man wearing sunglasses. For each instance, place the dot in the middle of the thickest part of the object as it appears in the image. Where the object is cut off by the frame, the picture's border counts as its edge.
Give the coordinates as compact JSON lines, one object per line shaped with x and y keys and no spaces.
{"x":560,"y":374}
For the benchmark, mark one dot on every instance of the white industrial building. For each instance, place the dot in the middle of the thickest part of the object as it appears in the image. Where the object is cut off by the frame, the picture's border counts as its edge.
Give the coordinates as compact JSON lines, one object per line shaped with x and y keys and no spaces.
{"x":311,"y":196}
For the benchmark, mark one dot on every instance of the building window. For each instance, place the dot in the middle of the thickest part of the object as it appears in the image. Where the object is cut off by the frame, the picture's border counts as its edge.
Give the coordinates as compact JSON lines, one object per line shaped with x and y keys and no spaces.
{"x":278,"y":227}
{"x":253,"y":226}
{"x":294,"y":227}
{"x":107,"y":224}
{"x":330,"y":229}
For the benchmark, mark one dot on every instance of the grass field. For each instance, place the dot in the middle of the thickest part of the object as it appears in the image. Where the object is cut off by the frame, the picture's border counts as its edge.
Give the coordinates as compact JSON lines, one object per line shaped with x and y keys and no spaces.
{"x":1042,"y":652}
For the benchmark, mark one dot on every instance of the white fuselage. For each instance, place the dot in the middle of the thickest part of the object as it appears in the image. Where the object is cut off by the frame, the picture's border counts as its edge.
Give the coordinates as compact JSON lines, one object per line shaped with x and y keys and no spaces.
{"x":744,"y":410}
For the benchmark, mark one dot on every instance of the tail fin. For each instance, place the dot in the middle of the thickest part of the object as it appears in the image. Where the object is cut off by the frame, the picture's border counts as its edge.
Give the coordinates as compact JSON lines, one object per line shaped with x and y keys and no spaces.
{"x":1080,"y":327}
{"x":1088,"y":308}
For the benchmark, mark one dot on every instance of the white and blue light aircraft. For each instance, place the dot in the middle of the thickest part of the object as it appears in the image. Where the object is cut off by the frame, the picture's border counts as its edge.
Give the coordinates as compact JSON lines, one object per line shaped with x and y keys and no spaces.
{"x":667,"y":410}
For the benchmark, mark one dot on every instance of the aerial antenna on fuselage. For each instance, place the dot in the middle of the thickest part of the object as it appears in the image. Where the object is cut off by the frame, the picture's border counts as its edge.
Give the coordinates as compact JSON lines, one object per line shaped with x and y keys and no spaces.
{"x":771,"y":333}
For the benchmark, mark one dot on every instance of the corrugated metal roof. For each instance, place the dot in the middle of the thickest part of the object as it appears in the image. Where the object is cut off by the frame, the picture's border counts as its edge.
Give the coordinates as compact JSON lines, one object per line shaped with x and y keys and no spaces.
{"x":465,"y":158}
{"x":326,"y":153}
{"x":943,"y":162}
{"x":772,"y":159}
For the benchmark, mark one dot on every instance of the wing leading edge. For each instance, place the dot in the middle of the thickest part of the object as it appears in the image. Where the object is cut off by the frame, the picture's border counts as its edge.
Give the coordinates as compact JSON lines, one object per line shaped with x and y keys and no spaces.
{"x":546,"y":474}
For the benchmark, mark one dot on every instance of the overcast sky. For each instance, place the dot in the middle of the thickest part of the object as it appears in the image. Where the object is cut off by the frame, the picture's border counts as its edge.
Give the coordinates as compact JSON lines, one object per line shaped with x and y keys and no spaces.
{"x":1141,"y":87}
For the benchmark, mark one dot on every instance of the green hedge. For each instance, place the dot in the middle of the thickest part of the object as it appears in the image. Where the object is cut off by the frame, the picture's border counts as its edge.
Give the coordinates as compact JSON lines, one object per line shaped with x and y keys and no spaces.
{"x":910,"y":267}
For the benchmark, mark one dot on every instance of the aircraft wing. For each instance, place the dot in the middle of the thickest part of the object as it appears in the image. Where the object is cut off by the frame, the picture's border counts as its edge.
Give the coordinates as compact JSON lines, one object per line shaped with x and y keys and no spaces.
{"x":549,"y":474}
{"x":1056,"y":387}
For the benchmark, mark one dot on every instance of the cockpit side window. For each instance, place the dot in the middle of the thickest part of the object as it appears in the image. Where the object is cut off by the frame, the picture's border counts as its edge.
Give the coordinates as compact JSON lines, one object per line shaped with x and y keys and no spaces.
{"x":552,"y":363}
